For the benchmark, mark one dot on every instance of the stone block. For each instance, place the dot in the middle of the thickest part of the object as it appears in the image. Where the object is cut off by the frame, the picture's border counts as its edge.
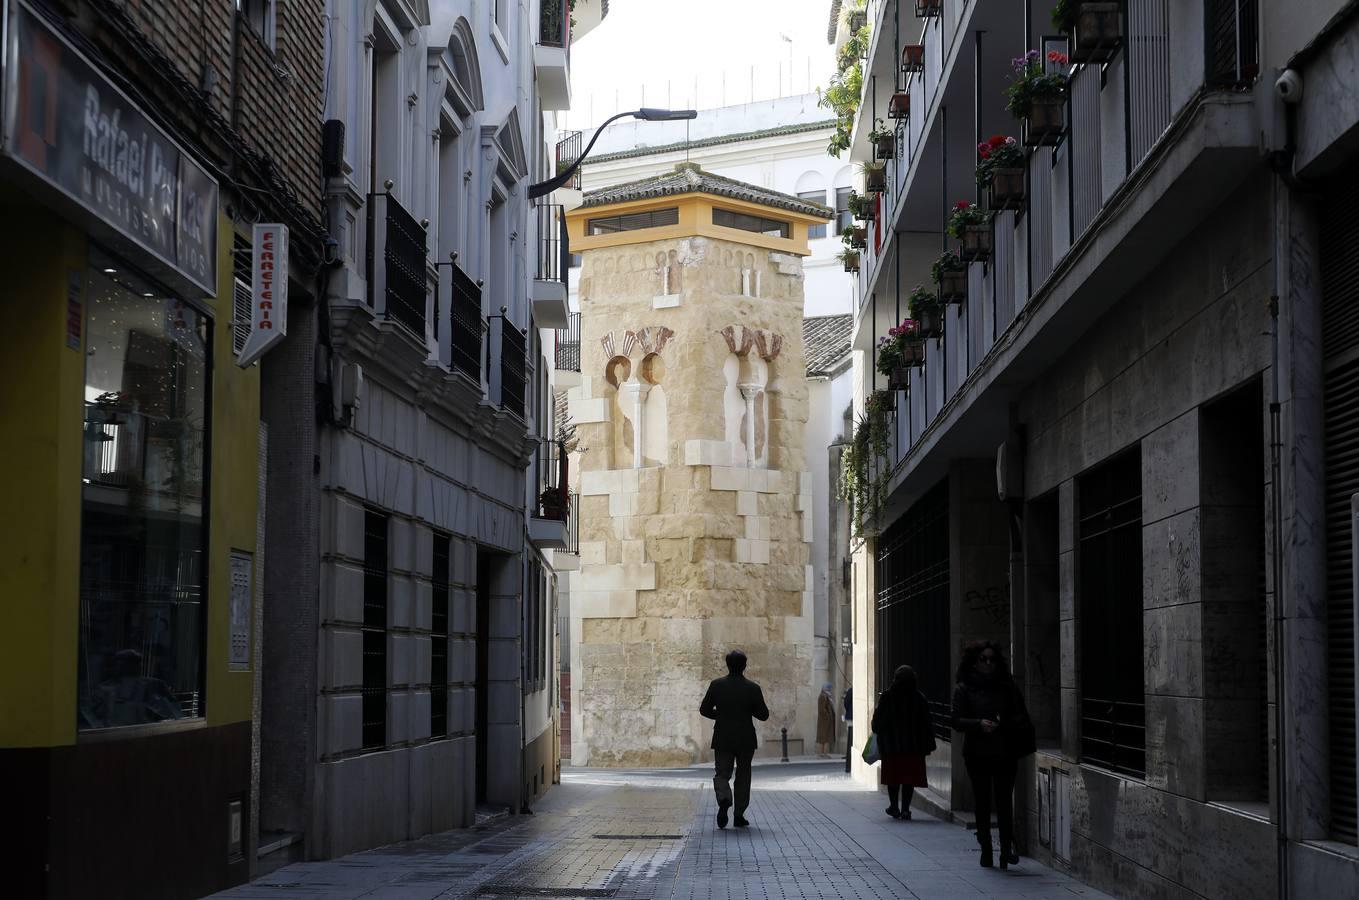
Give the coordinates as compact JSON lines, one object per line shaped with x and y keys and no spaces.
{"x":341,"y":591}
{"x":610,"y":481}
{"x":1066,"y":516}
{"x":592,"y":553}
{"x":1066,"y":584}
{"x":1172,"y":560}
{"x":621,"y":505}
{"x":418,"y":729}
{"x":757,"y":528}
{"x":344,"y":719}
{"x":400,"y":601}
{"x":604,"y":604}
{"x":699,"y":452}
{"x":759,"y":552}
{"x":634,"y":577}
{"x":398,"y":716}
{"x":586,"y":411}
{"x":747,"y":503}
{"x":344,"y":652}
{"x":400,"y":664}
{"x":808,"y":528}
{"x":666,"y":301}
{"x":732,"y":478}
{"x":1172,"y":650}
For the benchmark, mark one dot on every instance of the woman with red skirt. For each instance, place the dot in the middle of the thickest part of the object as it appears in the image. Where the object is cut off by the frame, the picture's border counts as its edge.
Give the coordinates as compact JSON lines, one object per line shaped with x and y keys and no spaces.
{"x":905,"y":738}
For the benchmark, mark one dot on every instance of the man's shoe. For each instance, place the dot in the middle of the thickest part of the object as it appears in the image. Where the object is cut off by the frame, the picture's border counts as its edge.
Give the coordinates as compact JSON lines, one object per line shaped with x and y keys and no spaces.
{"x":741,"y":822}
{"x":722,"y":815}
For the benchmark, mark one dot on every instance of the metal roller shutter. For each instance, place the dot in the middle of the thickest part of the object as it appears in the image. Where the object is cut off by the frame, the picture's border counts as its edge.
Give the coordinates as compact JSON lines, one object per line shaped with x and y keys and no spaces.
{"x":1340,"y":330}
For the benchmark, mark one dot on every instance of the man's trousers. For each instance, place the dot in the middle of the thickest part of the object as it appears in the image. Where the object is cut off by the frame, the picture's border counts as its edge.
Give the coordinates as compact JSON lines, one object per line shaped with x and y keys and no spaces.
{"x":725,"y":760}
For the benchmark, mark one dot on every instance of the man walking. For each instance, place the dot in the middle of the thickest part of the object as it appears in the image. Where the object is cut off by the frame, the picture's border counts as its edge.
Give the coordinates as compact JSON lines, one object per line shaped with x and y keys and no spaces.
{"x":732,"y":702}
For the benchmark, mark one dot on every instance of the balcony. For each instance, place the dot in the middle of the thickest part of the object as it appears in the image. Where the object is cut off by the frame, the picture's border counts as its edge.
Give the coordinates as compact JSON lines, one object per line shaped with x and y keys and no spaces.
{"x":548,"y":289}
{"x":554,"y":524}
{"x":568,"y":151}
{"x":552,"y":55}
{"x":1149,"y":139}
{"x":566,"y":360}
{"x":459,"y":329}
{"x":513,"y":369}
{"x":396,"y":265}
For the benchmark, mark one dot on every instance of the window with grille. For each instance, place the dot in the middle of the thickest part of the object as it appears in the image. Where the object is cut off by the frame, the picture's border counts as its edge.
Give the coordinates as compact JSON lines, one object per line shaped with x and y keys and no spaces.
{"x":374,"y":629}
{"x":438,"y":655}
{"x":1109,"y":594}
{"x":814,"y":231}
{"x":912,"y":618}
{"x":652,"y":218}
{"x":242,"y":295}
{"x":755,"y":224}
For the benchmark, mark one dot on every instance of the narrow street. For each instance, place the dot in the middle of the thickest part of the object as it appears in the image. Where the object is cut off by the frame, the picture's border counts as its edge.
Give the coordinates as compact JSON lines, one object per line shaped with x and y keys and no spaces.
{"x":649,"y":835}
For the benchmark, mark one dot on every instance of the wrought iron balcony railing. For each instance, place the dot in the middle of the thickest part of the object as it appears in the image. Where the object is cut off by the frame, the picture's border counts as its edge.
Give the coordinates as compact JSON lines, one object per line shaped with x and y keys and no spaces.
{"x":467,"y":325}
{"x":568,"y":345}
{"x":553,"y":256}
{"x":513,"y":369}
{"x":568,"y":151}
{"x":396,"y":263}
{"x":554,"y":24}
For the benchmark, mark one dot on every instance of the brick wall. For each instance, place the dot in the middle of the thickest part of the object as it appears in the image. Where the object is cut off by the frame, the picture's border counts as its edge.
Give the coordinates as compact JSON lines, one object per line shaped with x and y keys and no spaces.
{"x":278,"y":94}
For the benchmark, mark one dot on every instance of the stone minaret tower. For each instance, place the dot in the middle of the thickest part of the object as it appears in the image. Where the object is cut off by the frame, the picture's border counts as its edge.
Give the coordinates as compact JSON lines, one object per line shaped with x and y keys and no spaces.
{"x":696,"y":513}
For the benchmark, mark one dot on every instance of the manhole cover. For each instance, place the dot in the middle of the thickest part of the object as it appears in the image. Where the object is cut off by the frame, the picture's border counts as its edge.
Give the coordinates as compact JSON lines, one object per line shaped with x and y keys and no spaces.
{"x":523,"y":890}
{"x":639,"y":837}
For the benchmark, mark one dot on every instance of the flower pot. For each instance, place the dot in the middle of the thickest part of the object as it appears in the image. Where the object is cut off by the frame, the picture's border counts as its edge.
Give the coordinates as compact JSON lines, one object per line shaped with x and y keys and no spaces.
{"x":851,"y":262}
{"x":899,"y":107}
{"x":976,"y":243}
{"x":925,"y":8}
{"x":1098,"y":31}
{"x":1007,"y":188}
{"x":953,"y":286}
{"x":913,"y":351}
{"x":1046,"y":122}
{"x":857,"y":20}
{"x":866,"y":212}
{"x":885,"y":146}
{"x":859,"y":240}
{"x":897,"y":381}
{"x":877,"y":179}
{"x":913,"y":58}
{"x":928,"y":322}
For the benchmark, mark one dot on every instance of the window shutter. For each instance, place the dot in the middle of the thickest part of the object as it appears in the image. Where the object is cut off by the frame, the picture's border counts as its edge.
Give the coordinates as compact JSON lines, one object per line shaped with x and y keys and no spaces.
{"x":1340,"y":337}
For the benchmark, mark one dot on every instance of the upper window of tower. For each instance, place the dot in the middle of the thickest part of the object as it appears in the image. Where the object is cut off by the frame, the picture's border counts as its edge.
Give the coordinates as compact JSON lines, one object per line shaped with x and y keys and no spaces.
{"x":768,"y":227}
{"x":652,"y":218}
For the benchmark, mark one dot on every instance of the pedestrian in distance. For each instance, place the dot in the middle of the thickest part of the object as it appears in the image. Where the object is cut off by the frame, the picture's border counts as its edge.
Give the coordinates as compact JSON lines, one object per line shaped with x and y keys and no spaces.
{"x":905,"y":737}
{"x":825,"y":721}
{"x":989,"y":710}
{"x":733,"y":702}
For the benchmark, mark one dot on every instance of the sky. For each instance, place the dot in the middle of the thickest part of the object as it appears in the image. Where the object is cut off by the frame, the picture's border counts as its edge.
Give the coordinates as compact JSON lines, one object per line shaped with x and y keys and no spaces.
{"x":697,"y":54}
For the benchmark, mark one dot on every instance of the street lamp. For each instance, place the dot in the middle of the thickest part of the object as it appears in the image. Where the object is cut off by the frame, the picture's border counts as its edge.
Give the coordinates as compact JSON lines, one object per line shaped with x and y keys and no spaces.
{"x":646,"y":114}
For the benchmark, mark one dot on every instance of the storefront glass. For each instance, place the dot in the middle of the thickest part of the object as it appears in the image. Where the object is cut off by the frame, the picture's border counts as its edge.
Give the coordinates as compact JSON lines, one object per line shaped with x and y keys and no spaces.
{"x":143,"y":532}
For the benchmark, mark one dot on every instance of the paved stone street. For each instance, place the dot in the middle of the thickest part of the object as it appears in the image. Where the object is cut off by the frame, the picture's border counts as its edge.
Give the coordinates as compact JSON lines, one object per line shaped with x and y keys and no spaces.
{"x":649,"y":835}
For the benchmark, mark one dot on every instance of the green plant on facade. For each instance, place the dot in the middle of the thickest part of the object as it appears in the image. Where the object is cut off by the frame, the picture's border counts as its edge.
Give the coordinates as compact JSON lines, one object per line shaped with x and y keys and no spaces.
{"x":999,"y":152}
{"x":1064,"y":15}
{"x":863,"y":469}
{"x":948,"y":261}
{"x":922,"y":303}
{"x":965,"y":214}
{"x":891,"y":351}
{"x":845,"y":88}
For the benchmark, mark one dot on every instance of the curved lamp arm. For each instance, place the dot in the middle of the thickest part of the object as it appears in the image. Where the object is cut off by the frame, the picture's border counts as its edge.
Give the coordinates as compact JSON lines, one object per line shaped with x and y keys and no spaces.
{"x":646,"y":114}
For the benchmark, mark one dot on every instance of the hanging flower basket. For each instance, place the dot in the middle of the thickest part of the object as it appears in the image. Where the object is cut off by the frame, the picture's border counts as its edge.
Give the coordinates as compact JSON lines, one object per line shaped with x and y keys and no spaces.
{"x":928,"y":8}
{"x":1046,"y":122}
{"x":1007,"y":189}
{"x":976,"y":243}
{"x":913,"y":58}
{"x":851,"y":260}
{"x":859,"y":239}
{"x":899,"y":107}
{"x":899,"y":379}
{"x":898,"y":350}
{"x":876,"y":178}
{"x":1096,"y":29}
{"x":924,"y":309}
{"x":950,"y":273}
{"x":857,"y":20}
{"x":884,"y":143}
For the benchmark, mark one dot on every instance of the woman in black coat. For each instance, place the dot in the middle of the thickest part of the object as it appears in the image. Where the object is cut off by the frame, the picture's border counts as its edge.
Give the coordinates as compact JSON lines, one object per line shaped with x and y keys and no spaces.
{"x":989,"y":710}
{"x":905,"y":738}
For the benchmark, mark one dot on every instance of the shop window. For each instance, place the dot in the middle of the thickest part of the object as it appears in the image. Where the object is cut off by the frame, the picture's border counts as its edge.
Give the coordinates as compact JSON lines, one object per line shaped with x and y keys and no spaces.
{"x":438,"y":657}
{"x":374,"y":629}
{"x":1109,"y":594}
{"x":142,"y":528}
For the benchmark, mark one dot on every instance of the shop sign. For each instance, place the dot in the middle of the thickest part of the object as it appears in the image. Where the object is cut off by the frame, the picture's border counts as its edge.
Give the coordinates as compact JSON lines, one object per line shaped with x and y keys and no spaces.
{"x":68,"y":125}
{"x":269,"y":292}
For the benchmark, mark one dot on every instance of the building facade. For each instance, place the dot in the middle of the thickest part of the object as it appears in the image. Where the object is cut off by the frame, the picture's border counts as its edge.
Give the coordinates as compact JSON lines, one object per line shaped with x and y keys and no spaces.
{"x":146,"y":147}
{"x":779,"y":145}
{"x":695,"y":507}
{"x":412,"y":639}
{"x":1123,"y":454}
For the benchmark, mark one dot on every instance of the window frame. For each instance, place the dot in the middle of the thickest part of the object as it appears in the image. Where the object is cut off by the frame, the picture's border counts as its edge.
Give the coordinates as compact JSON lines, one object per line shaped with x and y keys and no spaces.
{"x":373,"y":632}
{"x":819,"y":230}
{"x":785,"y":227}
{"x":261,"y":19}
{"x":623,"y":218}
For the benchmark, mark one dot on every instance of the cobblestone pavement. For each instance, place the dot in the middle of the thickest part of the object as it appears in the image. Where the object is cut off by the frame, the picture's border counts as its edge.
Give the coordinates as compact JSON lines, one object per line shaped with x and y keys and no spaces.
{"x":649,"y":835}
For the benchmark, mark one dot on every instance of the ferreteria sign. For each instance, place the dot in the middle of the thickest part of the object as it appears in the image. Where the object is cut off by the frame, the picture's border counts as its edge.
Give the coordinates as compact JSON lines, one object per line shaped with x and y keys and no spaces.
{"x":269,"y":292}
{"x":66,"y":124}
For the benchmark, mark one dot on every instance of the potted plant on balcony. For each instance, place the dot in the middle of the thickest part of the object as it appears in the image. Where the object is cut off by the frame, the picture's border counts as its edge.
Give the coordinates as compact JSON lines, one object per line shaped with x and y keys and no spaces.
{"x":902,"y":347}
{"x":971,"y":225}
{"x":862,"y":206}
{"x":855,"y":237}
{"x":913,"y":58}
{"x":863,"y":469}
{"x":950,"y":273}
{"x":1037,"y":94}
{"x":925,"y":311}
{"x":875,"y":176}
{"x":899,"y":107}
{"x":928,"y":8}
{"x":841,"y":95}
{"x":856,"y":18}
{"x":1000,"y":169}
{"x":850,"y":258}
{"x":1096,"y":28}
{"x":554,"y":503}
{"x":884,"y":141}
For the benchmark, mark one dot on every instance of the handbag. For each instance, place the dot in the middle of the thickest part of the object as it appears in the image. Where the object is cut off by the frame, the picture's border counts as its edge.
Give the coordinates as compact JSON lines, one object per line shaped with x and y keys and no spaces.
{"x":870,"y":753}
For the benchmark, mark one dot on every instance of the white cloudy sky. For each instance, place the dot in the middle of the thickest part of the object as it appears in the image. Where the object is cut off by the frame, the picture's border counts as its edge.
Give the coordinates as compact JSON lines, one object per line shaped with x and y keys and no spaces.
{"x":676,"y":54}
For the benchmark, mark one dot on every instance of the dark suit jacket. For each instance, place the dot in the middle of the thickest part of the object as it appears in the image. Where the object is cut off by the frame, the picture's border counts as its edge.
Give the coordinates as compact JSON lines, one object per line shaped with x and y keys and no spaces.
{"x":731,"y":701}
